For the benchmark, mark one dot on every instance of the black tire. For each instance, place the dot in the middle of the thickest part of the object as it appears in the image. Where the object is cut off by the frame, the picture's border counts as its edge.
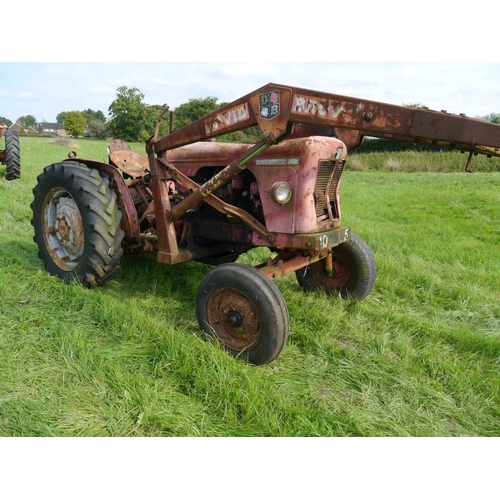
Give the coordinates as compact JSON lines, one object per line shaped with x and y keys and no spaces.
{"x":242,"y":308}
{"x":355,"y":271}
{"x":12,"y":155}
{"x":76,"y":219}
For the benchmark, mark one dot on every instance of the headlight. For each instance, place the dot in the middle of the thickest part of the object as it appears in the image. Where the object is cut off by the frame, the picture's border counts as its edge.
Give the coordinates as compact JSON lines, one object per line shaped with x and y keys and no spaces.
{"x":281,"y":193}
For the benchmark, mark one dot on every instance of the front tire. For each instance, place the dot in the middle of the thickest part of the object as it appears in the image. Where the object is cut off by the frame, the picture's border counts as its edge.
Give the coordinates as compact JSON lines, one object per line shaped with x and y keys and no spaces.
{"x":12,"y":155}
{"x":354,"y":271}
{"x":242,"y":308}
{"x":76,"y":219}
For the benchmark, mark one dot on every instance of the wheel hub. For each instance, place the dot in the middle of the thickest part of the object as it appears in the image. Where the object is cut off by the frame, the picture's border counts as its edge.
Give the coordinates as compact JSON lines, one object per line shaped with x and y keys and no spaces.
{"x":234,"y":319}
{"x":338,"y":268}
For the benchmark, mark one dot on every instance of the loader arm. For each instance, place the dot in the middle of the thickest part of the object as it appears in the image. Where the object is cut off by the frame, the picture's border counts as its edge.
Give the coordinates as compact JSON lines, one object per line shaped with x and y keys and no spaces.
{"x":275,"y":108}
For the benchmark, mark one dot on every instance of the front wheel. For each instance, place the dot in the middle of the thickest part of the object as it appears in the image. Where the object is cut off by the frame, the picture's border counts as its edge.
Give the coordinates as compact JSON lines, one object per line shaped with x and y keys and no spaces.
{"x":354,"y":271}
{"x":76,"y":219}
{"x":12,"y":155}
{"x":242,"y":308}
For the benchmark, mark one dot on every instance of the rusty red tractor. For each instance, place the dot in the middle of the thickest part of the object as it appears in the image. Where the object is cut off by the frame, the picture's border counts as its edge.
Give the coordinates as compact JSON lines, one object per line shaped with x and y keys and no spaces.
{"x":190,"y":198}
{"x":10,"y":156}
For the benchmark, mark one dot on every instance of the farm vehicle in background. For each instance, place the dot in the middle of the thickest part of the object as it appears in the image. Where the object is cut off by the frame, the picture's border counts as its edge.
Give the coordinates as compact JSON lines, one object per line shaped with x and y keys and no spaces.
{"x":10,"y":156}
{"x":191,"y":198}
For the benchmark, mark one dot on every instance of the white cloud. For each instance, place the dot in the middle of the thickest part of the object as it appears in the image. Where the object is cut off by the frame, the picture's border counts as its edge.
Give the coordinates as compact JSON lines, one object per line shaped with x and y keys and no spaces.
{"x":26,"y":95}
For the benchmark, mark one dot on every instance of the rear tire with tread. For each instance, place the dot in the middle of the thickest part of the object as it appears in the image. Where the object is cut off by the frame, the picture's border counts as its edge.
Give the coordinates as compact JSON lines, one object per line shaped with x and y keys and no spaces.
{"x":76,"y":220}
{"x":12,"y":155}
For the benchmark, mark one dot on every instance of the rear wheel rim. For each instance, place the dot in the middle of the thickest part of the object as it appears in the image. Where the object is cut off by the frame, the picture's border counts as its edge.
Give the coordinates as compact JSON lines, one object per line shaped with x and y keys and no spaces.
{"x":63,"y":231}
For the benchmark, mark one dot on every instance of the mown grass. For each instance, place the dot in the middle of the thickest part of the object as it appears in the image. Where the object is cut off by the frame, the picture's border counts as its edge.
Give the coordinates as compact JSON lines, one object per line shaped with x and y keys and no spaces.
{"x":419,"y":357}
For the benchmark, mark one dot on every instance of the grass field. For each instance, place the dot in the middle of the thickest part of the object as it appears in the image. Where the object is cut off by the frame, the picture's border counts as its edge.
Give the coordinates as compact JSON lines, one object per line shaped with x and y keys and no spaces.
{"x":419,"y":357}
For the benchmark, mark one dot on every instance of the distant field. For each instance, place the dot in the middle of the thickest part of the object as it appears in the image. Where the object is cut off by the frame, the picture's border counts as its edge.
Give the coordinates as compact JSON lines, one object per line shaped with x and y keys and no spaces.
{"x":419,"y":357}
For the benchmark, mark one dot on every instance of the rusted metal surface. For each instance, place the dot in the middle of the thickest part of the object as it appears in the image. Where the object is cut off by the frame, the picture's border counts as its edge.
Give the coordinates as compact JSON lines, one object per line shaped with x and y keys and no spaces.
{"x":218,"y":180}
{"x":118,"y":145}
{"x":275,"y":107}
{"x":391,"y":121}
{"x":238,"y":322}
{"x":64,"y":231}
{"x":315,"y":183}
{"x":192,"y":199}
{"x":334,"y":272}
{"x":288,"y":262}
{"x":129,"y":162}
{"x":3,"y":154}
{"x":220,"y":205}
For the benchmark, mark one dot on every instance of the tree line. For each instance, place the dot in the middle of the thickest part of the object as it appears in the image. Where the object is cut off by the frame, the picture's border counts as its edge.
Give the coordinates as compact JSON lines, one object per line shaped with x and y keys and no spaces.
{"x":131,"y":119}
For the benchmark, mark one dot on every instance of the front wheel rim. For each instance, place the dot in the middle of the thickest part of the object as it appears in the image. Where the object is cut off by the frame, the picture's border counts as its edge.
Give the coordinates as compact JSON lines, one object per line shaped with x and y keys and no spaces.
{"x":235,"y":319}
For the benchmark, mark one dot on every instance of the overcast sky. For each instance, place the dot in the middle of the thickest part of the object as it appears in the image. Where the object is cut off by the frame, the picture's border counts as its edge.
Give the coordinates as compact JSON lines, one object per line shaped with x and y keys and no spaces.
{"x":45,"y":89}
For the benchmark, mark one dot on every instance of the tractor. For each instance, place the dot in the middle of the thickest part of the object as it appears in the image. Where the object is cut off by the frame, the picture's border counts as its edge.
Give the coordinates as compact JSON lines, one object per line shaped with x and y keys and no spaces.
{"x":10,"y":156}
{"x":192,"y":198}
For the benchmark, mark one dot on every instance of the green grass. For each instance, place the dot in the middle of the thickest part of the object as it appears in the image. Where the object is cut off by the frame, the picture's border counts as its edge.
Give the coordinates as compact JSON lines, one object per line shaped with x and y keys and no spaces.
{"x":419,"y":357}
{"x":420,"y":161}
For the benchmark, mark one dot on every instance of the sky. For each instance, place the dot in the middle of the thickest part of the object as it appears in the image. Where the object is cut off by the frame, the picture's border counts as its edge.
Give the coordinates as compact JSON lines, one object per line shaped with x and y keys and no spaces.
{"x":44,"y":89}
{"x":171,"y":52}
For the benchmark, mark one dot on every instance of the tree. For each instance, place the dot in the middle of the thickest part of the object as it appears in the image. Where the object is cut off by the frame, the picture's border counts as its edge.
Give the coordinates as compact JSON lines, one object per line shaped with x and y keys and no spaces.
{"x":492,"y":117}
{"x":128,"y":114}
{"x":193,"y":110}
{"x":27,"y":121}
{"x":96,"y":123}
{"x":414,"y":105}
{"x":75,"y":123}
{"x":153,"y":112}
{"x":5,"y":121}
{"x":97,"y":128}
{"x":61,"y":117}
{"x":90,"y":114}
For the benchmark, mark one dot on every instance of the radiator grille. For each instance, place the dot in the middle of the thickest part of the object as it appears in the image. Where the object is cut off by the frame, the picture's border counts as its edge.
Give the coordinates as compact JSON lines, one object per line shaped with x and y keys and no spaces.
{"x":326,"y":189}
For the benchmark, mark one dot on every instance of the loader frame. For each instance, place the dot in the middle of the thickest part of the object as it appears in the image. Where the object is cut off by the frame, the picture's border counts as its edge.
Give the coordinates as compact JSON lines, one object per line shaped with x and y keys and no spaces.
{"x":284,"y":112}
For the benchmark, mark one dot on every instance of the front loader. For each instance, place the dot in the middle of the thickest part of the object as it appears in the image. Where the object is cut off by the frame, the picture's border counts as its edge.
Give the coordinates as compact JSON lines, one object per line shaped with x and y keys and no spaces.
{"x":190,"y":198}
{"x":10,"y":156}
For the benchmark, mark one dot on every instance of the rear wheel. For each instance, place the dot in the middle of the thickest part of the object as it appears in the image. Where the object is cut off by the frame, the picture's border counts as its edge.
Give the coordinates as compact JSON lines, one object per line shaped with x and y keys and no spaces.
{"x":245,"y":311}
{"x":354,"y":271}
{"x":77,"y":223}
{"x":12,"y":155}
